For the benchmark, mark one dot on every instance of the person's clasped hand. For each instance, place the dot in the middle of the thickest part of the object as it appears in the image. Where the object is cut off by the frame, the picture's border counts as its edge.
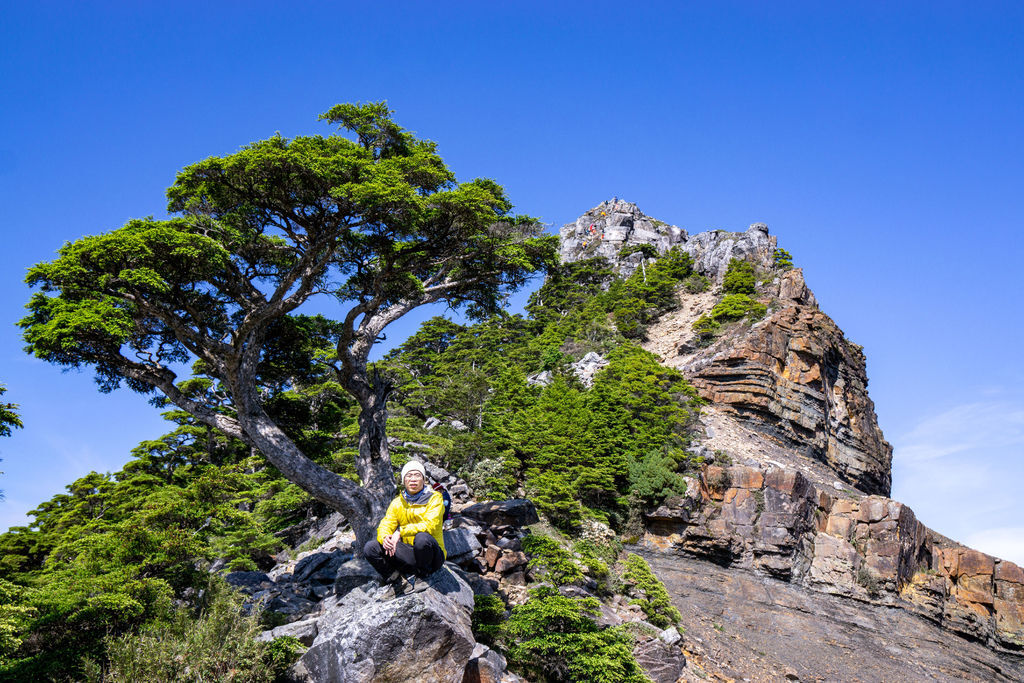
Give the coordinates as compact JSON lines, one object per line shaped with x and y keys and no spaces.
{"x":391,"y":542}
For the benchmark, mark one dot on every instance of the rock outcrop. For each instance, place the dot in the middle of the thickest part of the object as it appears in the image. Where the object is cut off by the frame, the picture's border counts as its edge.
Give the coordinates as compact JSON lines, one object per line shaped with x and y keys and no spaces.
{"x":801,"y":499}
{"x":776,"y":523}
{"x":612,"y":226}
{"x":795,"y":377}
{"x":742,"y":625}
{"x":424,"y":636}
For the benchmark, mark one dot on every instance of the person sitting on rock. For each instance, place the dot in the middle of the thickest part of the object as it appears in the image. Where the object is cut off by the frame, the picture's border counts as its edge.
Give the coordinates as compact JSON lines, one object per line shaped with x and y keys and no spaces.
{"x":409,"y":539}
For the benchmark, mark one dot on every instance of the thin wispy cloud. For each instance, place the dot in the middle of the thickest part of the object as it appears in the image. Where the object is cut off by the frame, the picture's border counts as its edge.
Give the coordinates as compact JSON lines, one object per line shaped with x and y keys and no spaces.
{"x":983,"y":426}
{"x":958,"y":470}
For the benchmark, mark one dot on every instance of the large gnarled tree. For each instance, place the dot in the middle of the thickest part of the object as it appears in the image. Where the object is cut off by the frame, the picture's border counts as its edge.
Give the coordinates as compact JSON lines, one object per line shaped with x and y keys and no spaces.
{"x":379,"y":223}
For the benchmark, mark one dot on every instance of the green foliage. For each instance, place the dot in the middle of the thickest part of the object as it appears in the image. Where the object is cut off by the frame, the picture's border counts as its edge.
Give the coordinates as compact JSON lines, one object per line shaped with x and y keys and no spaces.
{"x":8,"y":419}
{"x":556,"y":562}
{"x":109,"y":555}
{"x":783,"y":259}
{"x":488,"y":617}
{"x":654,"y":477}
{"x":696,"y":283}
{"x":736,"y":307}
{"x":8,"y":415}
{"x":554,"y":638}
{"x":652,"y":597}
{"x":14,"y":618}
{"x":220,"y":644}
{"x":706,"y":328}
{"x":596,"y":559}
{"x":648,"y":250}
{"x":649,"y":292}
{"x":739,"y":277}
{"x":575,"y":445}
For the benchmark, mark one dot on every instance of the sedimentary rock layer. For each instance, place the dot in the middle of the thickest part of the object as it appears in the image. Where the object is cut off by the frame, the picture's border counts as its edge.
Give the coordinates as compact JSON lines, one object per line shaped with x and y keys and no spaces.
{"x":796,"y":377}
{"x":871,"y":549}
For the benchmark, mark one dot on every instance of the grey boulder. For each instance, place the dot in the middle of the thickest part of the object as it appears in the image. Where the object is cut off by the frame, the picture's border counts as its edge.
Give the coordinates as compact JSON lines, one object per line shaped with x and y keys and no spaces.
{"x":515,"y":512}
{"x":423,"y":636}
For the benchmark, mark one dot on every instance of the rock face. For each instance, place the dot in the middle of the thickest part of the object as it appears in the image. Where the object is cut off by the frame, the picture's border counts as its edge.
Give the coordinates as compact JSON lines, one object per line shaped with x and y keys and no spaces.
{"x":776,"y":523}
{"x":796,"y":377}
{"x":612,"y":226}
{"x":793,"y":376}
{"x":741,"y":625}
{"x":423,"y":636}
{"x":711,"y":251}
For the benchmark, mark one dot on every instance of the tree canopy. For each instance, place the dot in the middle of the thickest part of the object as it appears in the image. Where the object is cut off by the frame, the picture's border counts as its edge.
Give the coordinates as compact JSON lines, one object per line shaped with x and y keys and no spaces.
{"x":379,"y":224}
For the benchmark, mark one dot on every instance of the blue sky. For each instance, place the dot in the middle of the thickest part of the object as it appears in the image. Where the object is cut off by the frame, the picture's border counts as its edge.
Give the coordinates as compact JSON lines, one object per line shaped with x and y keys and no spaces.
{"x":883,"y":143}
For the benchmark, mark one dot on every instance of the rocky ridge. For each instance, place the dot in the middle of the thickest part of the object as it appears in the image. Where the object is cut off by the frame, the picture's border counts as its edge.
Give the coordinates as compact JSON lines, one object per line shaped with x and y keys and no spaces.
{"x":357,"y":630}
{"x":785,"y":556}
{"x":801,"y":498}
{"x":792,"y":376}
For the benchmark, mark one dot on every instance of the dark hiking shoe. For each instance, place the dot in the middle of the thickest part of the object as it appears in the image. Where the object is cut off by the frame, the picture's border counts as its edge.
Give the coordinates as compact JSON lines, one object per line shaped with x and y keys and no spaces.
{"x":395,"y":590}
{"x":419,"y":585}
{"x":392,"y":578}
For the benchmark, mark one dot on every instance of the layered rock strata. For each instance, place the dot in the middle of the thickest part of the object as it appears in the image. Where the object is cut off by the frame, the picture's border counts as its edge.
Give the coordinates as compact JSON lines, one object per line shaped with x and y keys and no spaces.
{"x":796,"y":377}
{"x":871,"y":549}
{"x":793,"y":376}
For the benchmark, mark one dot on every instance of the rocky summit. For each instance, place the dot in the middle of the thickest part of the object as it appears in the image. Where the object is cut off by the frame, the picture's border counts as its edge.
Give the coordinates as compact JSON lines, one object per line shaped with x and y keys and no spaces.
{"x":785,"y":557}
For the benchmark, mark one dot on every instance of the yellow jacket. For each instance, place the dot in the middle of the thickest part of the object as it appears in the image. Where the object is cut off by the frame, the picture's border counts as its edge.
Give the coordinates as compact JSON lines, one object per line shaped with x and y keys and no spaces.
{"x":412,"y":519}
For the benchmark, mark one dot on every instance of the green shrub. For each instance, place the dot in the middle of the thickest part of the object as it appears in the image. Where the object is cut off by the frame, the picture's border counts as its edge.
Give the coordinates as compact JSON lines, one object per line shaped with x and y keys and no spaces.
{"x":653,"y":598}
{"x":630,"y":315}
{"x":706,"y":328}
{"x":557,"y":562}
{"x":218,"y":645}
{"x":783,"y":259}
{"x":696,"y":283}
{"x":597,"y":558}
{"x":654,"y":477}
{"x":556,"y":496}
{"x":648,"y":250}
{"x":736,"y":307}
{"x":739,"y":277}
{"x":555,"y":638}
{"x":488,"y":616}
{"x":675,"y":263}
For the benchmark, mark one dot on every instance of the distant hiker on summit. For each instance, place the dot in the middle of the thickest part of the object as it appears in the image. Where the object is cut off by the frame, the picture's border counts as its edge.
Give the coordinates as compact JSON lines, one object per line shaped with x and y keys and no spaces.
{"x":409,"y":539}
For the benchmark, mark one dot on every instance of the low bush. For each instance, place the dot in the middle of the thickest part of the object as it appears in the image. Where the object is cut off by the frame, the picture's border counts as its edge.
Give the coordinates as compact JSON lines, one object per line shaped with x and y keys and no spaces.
{"x":696,"y":283}
{"x":734,"y":307}
{"x":488,"y":616}
{"x":557,"y":562}
{"x":739,"y":277}
{"x":219,"y":644}
{"x":555,"y":638}
{"x":653,"y":598}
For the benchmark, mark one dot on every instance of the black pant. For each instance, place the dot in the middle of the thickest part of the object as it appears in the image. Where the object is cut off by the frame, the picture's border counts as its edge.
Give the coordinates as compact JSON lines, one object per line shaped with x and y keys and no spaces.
{"x":423,"y":557}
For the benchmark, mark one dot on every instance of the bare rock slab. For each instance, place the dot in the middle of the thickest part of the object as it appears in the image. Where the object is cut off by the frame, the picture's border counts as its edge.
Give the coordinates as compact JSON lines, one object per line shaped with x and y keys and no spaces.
{"x":423,"y":636}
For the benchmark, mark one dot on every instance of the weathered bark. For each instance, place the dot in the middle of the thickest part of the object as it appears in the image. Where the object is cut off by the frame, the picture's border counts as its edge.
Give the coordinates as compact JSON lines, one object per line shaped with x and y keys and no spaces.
{"x":373,"y":461}
{"x":341,"y":494}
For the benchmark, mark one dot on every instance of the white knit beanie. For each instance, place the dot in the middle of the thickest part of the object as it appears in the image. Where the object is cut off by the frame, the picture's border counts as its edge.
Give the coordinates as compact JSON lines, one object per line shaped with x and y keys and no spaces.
{"x":413,"y":466}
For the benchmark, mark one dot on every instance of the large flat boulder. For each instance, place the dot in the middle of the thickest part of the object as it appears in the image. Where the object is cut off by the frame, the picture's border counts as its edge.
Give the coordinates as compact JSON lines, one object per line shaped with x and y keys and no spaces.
{"x":423,"y":636}
{"x":514,"y":512}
